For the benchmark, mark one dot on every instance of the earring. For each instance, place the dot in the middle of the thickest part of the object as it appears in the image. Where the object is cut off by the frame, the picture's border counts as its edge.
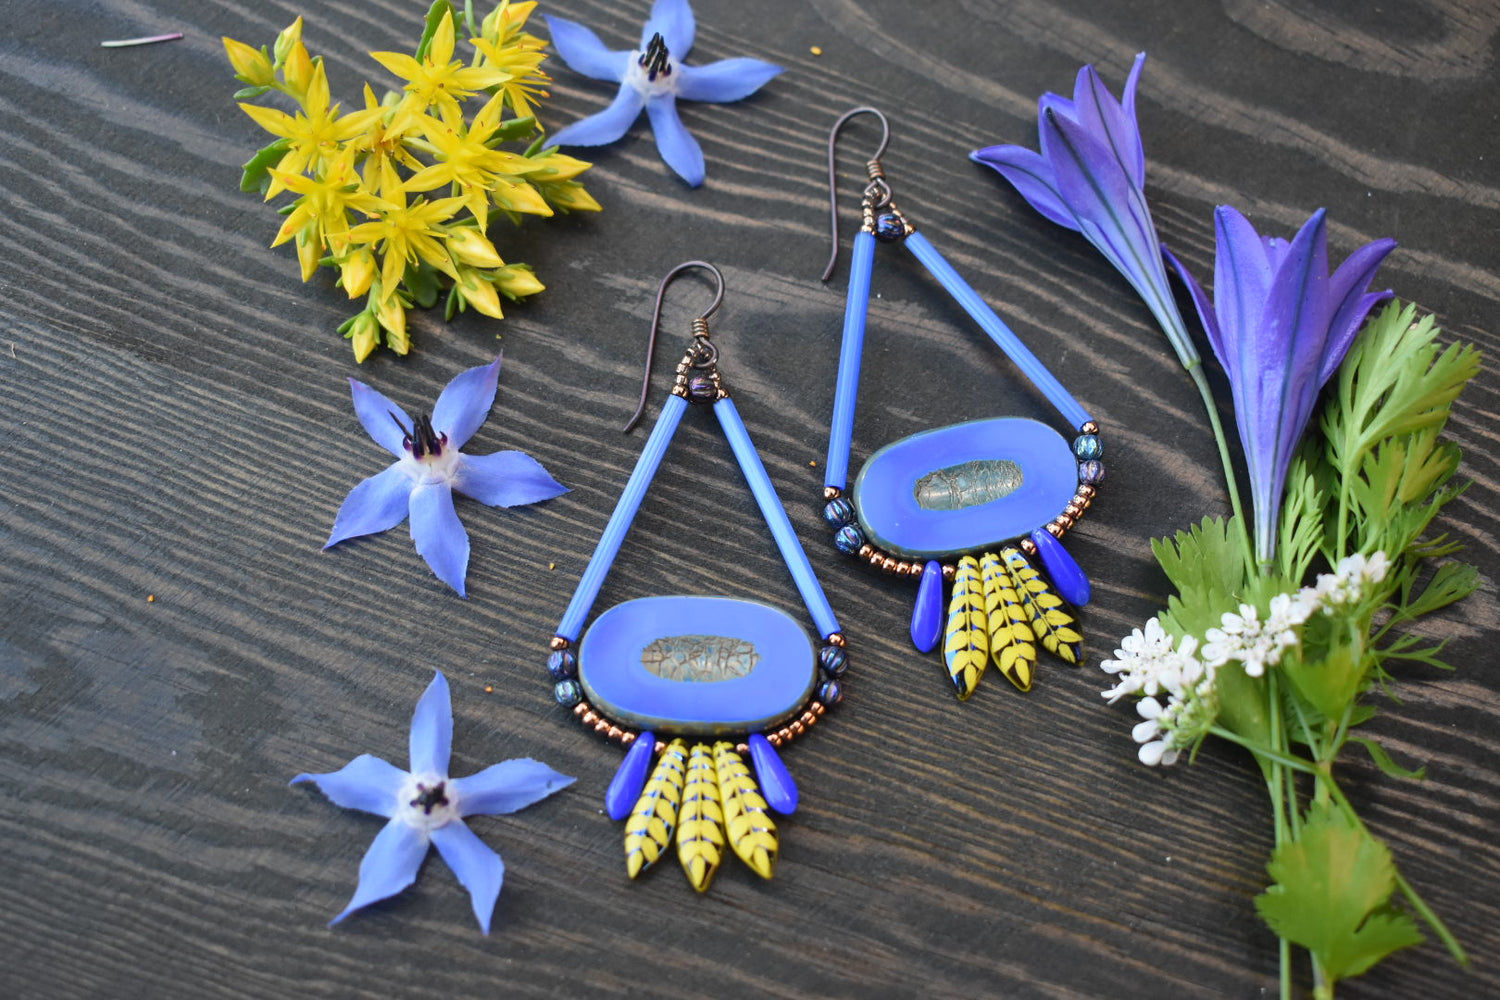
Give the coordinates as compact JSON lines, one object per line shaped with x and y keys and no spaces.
{"x":691,"y":686}
{"x":970,"y":504}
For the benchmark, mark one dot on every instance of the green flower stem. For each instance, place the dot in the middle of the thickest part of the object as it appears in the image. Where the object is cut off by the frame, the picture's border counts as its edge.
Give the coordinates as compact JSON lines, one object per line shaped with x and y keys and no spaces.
{"x":1195,"y":371}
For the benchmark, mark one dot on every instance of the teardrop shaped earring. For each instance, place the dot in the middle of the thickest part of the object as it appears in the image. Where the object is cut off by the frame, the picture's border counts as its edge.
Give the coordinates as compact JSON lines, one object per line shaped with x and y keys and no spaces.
{"x":970,"y":504}
{"x":692,"y":685}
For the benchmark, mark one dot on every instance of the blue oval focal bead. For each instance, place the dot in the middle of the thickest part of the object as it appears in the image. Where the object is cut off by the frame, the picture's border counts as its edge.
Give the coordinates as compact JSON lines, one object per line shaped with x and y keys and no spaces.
{"x":696,"y":665}
{"x":776,"y":782}
{"x":625,"y":789}
{"x":964,"y":487}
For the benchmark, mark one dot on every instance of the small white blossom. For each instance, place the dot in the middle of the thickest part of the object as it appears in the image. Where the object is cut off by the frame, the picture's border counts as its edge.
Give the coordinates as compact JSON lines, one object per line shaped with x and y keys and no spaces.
{"x":1351,"y":580}
{"x":1257,"y":644}
{"x":1147,"y":664}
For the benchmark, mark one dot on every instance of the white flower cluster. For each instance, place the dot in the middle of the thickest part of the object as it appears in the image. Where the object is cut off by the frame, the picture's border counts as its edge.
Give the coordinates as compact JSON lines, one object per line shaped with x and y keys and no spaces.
{"x":1148,"y":664}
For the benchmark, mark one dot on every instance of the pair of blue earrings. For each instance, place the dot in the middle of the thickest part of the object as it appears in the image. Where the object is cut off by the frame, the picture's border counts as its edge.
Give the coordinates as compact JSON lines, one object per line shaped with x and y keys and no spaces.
{"x":700,"y":690}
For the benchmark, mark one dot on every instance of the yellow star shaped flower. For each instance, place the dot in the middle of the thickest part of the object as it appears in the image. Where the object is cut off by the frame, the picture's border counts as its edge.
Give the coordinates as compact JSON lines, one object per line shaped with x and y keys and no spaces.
{"x":438,"y":78}
{"x":406,"y":234}
{"x":316,"y":134}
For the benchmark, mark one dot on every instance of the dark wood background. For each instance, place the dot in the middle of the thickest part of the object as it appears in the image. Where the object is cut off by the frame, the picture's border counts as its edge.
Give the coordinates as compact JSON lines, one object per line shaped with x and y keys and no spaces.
{"x":176,"y":423}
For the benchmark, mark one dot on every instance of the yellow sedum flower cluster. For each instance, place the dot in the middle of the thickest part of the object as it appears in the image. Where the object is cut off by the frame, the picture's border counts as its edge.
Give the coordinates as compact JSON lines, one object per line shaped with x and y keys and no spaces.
{"x":397,"y":194}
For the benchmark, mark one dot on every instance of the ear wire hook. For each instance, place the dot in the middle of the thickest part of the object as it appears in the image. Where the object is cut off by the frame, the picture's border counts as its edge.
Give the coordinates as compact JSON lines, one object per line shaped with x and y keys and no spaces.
{"x":708,"y":352}
{"x":877,"y":190}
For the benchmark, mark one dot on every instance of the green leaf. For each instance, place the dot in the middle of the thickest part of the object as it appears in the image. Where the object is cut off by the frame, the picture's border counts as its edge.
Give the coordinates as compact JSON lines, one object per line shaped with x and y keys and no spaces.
{"x":255,"y":178}
{"x":1331,"y":895}
{"x":1206,"y":564}
{"x":435,"y":14}
{"x":1452,"y":582}
{"x":250,"y":92}
{"x":422,"y":281}
{"x":513,"y":129}
{"x":1382,"y":759}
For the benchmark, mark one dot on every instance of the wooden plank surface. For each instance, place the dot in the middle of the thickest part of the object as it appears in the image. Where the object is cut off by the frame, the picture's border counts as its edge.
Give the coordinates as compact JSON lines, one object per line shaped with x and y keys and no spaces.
{"x":177,"y":424}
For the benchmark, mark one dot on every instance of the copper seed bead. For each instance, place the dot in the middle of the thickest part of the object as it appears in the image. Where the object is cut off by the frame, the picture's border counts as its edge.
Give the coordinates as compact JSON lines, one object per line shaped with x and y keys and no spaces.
{"x":1027,"y":546}
{"x":865,"y":550}
{"x":832,"y":493}
{"x":949,"y":571}
{"x":809,"y":720}
{"x":1089,"y":427}
{"x":774,"y":739}
{"x":903,"y":568}
{"x":1073,"y":510}
{"x":875,"y":557}
{"x":835,"y":639}
{"x":742,"y":748}
{"x":615,"y":732}
{"x":785,"y":733}
{"x":558,"y":643}
{"x":818,"y":708}
{"x":1053,"y":530}
{"x":580,"y":708}
{"x":590,"y":717}
{"x":1063,"y":522}
{"x":602,"y":726}
{"x":797,"y":727}
{"x":1088,"y":491}
{"x":626,"y":739}
{"x":888,"y":564}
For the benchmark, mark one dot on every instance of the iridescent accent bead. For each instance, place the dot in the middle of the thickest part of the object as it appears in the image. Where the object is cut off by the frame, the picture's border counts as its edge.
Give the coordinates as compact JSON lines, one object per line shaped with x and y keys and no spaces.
{"x":834,"y":660}
{"x":1091,"y":473}
{"x":839,"y":512}
{"x":567,"y":693}
{"x":1088,"y":446}
{"x":701,"y":389}
{"x":849,"y":539}
{"x":562,"y":664}
{"x":889,"y":228}
{"x":830,"y":693}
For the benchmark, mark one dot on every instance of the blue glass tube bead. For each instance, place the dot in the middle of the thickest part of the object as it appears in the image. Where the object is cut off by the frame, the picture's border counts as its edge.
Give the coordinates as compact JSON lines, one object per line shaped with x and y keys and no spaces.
{"x":625,"y":788}
{"x":849,"y":539}
{"x":1087,"y":447}
{"x":889,"y":227}
{"x":1091,"y":473}
{"x":839,"y":512}
{"x":830,"y":693}
{"x":568,"y":693}
{"x":562,"y":664}
{"x":834,"y":660}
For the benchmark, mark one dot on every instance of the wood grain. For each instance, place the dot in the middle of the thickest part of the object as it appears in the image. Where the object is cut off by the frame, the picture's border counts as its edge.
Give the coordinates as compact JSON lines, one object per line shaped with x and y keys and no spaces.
{"x":177,"y":424}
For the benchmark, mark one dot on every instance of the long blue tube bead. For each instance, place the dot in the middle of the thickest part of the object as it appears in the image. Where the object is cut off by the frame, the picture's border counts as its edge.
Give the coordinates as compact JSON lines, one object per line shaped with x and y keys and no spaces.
{"x":846,"y":393}
{"x":619,"y":522}
{"x":1001,"y":334}
{"x":776,"y":519}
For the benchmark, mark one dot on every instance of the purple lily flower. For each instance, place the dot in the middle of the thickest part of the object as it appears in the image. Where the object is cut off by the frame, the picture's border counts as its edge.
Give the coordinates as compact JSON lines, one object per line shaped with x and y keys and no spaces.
{"x":1091,"y":177}
{"x":424,"y":807}
{"x":653,"y":77}
{"x":1280,"y":326}
{"x":429,"y":468}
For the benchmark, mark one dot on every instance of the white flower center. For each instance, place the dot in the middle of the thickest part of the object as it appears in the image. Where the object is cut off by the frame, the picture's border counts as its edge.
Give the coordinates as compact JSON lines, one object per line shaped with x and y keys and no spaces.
{"x":426,"y":802}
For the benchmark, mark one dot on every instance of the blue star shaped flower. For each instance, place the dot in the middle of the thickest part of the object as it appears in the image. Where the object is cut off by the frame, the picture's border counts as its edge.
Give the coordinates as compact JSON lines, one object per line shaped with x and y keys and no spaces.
{"x":653,"y":77}
{"x":429,"y":468}
{"x":424,"y":807}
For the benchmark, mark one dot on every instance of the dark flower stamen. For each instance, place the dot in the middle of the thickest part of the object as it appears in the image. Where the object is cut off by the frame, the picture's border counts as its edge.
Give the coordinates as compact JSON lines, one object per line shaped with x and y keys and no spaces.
{"x":421,"y":439}
{"x":430,"y":798}
{"x":656,"y":59}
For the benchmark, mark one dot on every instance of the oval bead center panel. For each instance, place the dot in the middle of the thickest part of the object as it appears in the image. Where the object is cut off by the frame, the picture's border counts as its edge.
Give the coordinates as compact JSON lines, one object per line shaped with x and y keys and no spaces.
{"x":700,"y":659}
{"x":696,"y":665}
{"x":964,"y":487}
{"x":968,"y":483}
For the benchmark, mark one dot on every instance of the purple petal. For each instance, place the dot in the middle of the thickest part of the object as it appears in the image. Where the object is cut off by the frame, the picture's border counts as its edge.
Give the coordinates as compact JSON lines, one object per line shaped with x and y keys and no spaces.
{"x":389,"y":866}
{"x":507,"y":787}
{"x":505,"y":479}
{"x":1202,"y":304}
{"x":377,"y":504}
{"x":1242,"y":280}
{"x":725,"y":80}
{"x":1031,"y":176}
{"x":584,"y":53}
{"x":374,"y":412}
{"x":479,"y":869}
{"x":674,"y":20}
{"x":439,"y":536}
{"x":1056,"y":104}
{"x":432,"y":729}
{"x":1128,"y":103}
{"x":1346,"y":293}
{"x":366,"y":783}
{"x":465,"y":402}
{"x":677,"y":148}
{"x":1102,"y":116}
{"x":605,"y":127}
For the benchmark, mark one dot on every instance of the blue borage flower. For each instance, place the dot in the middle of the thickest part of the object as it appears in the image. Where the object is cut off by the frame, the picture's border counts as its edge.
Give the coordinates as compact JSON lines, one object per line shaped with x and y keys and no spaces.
{"x":429,"y":467}
{"x":425,"y":808}
{"x":1091,"y":177}
{"x":1280,"y":326}
{"x":654,"y":77}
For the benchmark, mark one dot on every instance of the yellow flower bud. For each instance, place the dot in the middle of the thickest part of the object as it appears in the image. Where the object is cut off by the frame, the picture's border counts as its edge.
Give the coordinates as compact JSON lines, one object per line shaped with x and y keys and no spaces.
{"x":291,"y":36}
{"x":364,"y":336}
{"x":392,"y":316}
{"x":298,"y":70}
{"x":358,"y":271}
{"x":556,"y":167}
{"x":252,"y":66}
{"x":520,"y":198}
{"x":469,"y":246}
{"x":570,"y":196}
{"x":309,"y":252}
{"x":518,"y":281}
{"x":479,"y":293}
